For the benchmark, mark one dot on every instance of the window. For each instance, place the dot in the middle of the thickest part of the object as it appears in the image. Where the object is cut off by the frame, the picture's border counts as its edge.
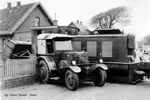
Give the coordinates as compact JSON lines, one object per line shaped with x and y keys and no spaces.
{"x":77,"y":45}
{"x":107,"y":48}
{"x":37,"y":21}
{"x":92,"y":48}
{"x":50,"y":48}
{"x":63,"y":45}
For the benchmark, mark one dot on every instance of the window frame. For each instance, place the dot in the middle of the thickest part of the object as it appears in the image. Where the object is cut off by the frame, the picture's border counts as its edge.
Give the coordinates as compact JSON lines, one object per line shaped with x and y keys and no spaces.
{"x":112,"y":46}
{"x":96,"y":46}
{"x":37,"y":21}
{"x":52,"y":47}
{"x":74,"y":46}
{"x":54,"y":42}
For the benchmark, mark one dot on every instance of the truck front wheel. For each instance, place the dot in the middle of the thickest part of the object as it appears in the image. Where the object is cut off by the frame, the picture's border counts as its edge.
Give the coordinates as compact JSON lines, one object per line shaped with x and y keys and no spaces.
{"x":44,"y":72}
{"x":100,"y":77}
{"x":71,"y":80}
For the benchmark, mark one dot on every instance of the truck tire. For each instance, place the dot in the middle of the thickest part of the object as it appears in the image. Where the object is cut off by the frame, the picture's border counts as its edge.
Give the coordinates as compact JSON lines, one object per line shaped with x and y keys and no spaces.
{"x":71,"y":80}
{"x":100,"y":77}
{"x":44,"y":71}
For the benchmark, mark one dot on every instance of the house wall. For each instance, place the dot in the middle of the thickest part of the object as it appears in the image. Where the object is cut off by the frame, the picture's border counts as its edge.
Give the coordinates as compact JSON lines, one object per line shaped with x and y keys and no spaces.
{"x":22,"y":36}
{"x":23,"y":32}
{"x":2,"y":38}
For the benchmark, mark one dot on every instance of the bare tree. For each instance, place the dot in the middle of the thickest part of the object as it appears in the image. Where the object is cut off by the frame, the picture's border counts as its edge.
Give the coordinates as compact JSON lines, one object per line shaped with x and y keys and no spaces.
{"x":108,"y":19}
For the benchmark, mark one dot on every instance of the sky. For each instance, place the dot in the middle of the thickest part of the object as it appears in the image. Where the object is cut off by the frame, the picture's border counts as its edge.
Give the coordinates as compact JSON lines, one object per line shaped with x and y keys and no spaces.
{"x":72,"y":10}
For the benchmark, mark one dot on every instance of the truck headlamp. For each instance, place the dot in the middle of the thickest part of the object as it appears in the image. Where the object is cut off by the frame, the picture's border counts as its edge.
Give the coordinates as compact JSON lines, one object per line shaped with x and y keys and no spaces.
{"x":101,"y":60}
{"x":74,"y":62}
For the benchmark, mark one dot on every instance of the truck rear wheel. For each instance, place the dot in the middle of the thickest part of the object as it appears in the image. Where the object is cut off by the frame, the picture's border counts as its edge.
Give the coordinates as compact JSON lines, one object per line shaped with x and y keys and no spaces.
{"x":100,"y":77}
{"x":44,"y":72}
{"x":71,"y":80}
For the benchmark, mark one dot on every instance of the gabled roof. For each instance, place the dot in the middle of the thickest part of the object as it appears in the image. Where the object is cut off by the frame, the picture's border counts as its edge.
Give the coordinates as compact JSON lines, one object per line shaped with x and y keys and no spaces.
{"x":79,"y":26}
{"x":11,"y":19}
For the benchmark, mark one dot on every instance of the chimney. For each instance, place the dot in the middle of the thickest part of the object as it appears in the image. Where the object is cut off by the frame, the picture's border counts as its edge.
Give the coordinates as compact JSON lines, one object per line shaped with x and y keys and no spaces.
{"x":18,"y":3}
{"x":8,"y":5}
{"x":78,"y":22}
{"x":55,"y":22}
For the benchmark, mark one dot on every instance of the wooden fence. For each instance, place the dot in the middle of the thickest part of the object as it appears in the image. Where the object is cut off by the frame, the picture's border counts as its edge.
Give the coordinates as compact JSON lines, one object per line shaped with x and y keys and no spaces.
{"x":19,"y":67}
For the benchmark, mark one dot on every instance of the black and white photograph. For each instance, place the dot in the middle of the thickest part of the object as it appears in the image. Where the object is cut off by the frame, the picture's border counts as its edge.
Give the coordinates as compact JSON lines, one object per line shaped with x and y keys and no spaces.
{"x":74,"y":50}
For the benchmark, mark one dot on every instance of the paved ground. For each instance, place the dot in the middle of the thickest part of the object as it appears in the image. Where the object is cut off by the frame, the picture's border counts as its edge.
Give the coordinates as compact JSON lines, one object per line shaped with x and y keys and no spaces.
{"x":86,"y":91}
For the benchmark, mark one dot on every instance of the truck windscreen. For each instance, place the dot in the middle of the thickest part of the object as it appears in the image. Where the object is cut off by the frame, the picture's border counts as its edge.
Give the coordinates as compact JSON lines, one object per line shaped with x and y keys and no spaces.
{"x":63,"y":45}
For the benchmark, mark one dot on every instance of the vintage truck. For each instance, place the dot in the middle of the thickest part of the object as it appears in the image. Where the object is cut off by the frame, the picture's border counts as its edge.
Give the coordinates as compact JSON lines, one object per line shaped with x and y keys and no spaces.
{"x":56,"y":58}
{"x":118,"y":53}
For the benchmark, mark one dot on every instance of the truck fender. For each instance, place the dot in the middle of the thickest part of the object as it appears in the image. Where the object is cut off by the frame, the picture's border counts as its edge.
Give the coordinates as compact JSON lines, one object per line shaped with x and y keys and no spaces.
{"x":75,"y":69}
{"x":50,"y":62}
{"x":103,"y":66}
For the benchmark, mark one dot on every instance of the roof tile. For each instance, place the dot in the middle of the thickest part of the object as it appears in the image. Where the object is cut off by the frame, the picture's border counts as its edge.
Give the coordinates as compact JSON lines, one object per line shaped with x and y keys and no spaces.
{"x":9,"y":17}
